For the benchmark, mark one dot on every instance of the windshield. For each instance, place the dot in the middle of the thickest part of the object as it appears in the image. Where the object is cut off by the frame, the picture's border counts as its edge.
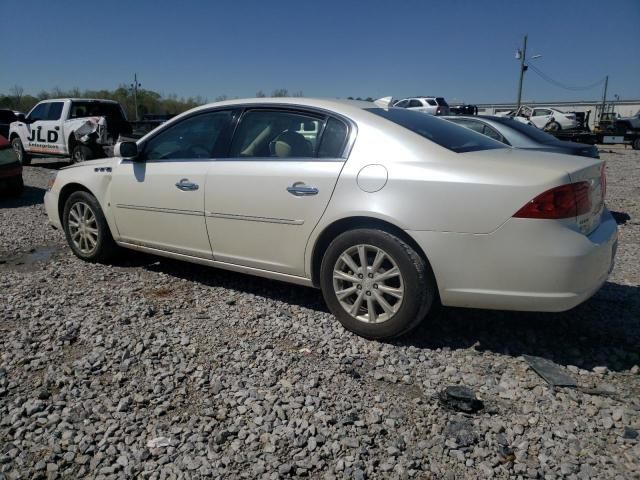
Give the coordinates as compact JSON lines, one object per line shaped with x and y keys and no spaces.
{"x":527,"y":130}
{"x":446,"y":134}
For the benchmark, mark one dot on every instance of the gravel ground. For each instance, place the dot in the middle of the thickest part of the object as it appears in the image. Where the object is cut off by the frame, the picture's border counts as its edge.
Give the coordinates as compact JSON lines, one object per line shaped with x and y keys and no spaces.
{"x":156,"y":369}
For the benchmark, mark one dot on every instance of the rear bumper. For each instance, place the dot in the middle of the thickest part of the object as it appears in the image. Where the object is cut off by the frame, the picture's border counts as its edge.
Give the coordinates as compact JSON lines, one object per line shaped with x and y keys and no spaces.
{"x":528,"y":265}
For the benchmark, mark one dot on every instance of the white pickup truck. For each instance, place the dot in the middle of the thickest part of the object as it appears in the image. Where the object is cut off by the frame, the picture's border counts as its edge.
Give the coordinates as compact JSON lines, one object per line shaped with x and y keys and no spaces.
{"x":79,"y":128}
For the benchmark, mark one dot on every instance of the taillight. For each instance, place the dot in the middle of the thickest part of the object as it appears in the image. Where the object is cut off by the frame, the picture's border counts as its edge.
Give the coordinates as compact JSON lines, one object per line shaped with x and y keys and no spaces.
{"x":565,"y":201}
{"x":439,"y":111}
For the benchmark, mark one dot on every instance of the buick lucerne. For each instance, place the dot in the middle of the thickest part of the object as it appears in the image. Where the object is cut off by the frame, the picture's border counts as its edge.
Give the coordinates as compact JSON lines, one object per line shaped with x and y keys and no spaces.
{"x":386,"y":210}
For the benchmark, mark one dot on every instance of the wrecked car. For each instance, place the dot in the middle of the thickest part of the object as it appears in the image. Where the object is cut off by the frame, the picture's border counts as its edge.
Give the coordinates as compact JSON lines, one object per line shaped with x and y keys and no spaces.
{"x":82,"y":129}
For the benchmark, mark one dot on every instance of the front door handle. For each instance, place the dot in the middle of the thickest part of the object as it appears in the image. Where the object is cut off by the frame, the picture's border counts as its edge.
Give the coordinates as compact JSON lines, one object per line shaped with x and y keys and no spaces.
{"x":299,"y":189}
{"x":185,"y":185}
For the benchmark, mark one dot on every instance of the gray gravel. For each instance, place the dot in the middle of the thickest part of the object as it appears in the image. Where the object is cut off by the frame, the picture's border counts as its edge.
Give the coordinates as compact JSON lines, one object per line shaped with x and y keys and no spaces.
{"x":155,"y":369}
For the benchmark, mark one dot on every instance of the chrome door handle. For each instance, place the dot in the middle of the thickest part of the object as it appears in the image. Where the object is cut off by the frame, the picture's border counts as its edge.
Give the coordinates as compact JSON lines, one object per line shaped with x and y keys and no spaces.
{"x":299,"y":189}
{"x":185,"y":185}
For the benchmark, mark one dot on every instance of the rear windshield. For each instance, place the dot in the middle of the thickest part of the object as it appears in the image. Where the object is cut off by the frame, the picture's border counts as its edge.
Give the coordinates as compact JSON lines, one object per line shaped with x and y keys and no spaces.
{"x":527,"y":130}
{"x":446,"y":134}
{"x":95,"y":109}
{"x":442,"y":102}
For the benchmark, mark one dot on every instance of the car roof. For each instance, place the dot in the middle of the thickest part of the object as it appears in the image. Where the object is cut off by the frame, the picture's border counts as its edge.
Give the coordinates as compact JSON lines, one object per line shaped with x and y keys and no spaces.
{"x":103,"y":100}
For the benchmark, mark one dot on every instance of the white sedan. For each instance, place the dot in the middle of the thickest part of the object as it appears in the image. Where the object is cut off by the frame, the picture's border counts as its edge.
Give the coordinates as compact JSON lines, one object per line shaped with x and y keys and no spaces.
{"x":388,"y":211}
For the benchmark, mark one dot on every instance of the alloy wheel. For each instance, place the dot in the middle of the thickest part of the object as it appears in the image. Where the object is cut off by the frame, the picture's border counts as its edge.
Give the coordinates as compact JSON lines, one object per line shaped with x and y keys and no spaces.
{"x":368,"y":283}
{"x":83,"y":228}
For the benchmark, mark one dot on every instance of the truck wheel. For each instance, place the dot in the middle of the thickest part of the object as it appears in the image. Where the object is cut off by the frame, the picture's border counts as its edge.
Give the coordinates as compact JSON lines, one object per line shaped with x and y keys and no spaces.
{"x":23,"y":157}
{"x":636,"y":144}
{"x":81,"y":153}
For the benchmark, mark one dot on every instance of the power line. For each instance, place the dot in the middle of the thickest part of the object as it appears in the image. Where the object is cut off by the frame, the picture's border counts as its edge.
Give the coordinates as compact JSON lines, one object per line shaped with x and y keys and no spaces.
{"x":546,"y":77}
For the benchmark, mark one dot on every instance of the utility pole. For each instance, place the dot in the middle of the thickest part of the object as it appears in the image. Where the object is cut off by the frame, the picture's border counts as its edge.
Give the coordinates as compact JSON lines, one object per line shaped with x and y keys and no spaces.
{"x":604,"y":96}
{"x":522,"y":55}
{"x":134,"y":87}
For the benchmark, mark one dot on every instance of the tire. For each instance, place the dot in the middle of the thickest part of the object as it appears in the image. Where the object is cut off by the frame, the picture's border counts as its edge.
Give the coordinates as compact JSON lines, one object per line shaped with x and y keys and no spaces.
{"x":81,"y":153}
{"x":636,"y":144}
{"x":415,"y":283}
{"x":23,"y":157}
{"x":90,"y":240}
{"x":553,"y":127}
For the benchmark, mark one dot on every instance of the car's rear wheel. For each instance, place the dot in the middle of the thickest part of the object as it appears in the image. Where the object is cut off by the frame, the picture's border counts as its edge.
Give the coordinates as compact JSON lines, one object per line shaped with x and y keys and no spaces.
{"x":23,"y":157}
{"x":86,"y":229}
{"x":376,"y":284}
{"x":636,"y":144}
{"x":553,"y":126}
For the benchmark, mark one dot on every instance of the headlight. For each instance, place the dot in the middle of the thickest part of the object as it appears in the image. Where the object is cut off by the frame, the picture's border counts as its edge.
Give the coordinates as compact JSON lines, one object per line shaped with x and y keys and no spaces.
{"x":52,"y":180}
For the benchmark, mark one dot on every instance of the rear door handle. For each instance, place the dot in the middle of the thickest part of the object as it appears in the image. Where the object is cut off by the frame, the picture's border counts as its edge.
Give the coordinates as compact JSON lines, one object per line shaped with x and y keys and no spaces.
{"x":185,"y":185}
{"x":299,"y":189}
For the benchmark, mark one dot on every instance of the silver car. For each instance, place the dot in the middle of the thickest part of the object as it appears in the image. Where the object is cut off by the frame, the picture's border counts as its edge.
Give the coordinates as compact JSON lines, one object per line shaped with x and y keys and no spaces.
{"x":387,"y":210}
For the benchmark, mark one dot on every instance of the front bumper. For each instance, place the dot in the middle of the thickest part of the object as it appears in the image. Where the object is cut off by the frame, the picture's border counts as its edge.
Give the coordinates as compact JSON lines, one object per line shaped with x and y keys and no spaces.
{"x":528,"y":265}
{"x":51,"y":207}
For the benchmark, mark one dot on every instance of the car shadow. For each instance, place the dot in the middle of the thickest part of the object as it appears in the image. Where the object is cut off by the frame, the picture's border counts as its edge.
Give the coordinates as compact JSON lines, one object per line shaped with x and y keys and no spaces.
{"x":604,"y":331}
{"x":29,"y":196}
{"x":621,"y":218}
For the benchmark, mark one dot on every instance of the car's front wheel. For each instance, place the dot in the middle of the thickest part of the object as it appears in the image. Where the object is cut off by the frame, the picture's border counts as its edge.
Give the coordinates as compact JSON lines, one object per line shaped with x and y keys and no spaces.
{"x":86,"y":228}
{"x":376,"y":284}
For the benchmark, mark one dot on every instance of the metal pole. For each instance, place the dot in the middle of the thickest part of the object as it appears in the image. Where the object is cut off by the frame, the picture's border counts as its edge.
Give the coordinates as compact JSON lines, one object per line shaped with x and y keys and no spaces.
{"x":522,"y":69}
{"x":135,"y":93}
{"x":604,"y":96}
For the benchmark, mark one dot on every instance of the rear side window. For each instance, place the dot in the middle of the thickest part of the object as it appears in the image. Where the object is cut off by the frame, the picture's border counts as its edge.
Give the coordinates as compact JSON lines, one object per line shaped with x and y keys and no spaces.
{"x":55,"y":111}
{"x":442,"y":132}
{"x":333,"y":139}
{"x":431,"y":102}
{"x":415,"y":103}
{"x":275,"y":134}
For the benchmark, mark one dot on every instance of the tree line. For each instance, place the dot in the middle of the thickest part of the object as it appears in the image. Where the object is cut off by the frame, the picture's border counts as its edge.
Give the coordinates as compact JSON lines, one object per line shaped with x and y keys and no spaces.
{"x":149,"y":102}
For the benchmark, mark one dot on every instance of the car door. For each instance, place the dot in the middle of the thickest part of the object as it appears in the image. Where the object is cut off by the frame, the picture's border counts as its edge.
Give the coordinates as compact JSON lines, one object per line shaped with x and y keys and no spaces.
{"x":263,"y":201}
{"x":43,"y":129}
{"x":158,"y":199}
{"x":540,"y":117}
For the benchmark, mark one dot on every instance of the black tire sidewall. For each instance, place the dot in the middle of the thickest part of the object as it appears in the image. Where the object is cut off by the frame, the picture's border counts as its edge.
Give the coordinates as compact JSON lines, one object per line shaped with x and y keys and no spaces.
{"x":85,"y":153}
{"x":419,"y":283}
{"x":26,"y":159}
{"x":104,"y":235}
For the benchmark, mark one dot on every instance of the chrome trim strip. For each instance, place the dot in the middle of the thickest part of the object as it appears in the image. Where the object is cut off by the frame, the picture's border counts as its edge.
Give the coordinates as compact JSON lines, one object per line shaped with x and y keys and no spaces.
{"x":249,"y":218}
{"x":160,"y":210}
{"x":283,"y":277}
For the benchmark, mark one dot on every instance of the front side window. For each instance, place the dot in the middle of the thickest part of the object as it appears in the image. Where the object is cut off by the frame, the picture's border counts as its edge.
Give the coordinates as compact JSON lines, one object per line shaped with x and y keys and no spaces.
{"x":275,"y":134}
{"x":193,"y":137}
{"x":442,"y":132}
{"x":39,"y":112}
{"x":402,"y":103}
{"x":55,"y":111}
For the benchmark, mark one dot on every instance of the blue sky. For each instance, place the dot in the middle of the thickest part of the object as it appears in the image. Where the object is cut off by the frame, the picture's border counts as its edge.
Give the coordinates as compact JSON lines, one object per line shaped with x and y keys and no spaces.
{"x":463,"y":50}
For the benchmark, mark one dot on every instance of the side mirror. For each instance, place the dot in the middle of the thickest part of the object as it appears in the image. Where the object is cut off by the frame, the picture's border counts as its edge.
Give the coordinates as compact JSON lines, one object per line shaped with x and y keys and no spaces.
{"x":126,"y":150}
